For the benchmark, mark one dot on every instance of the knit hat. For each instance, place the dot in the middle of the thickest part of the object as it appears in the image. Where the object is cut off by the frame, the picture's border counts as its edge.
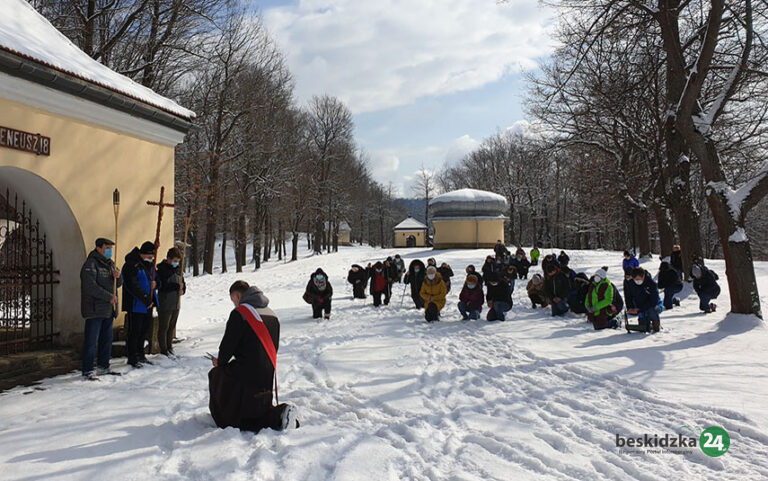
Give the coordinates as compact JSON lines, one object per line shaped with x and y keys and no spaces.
{"x":431,"y":270}
{"x":472,"y":278}
{"x":601,"y":273}
{"x":696,"y":271}
{"x":147,"y":248}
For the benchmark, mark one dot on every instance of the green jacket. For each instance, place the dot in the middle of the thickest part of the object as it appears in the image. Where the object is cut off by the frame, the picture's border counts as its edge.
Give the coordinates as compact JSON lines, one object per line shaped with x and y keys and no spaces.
{"x":599,"y":296}
{"x":535,"y":254}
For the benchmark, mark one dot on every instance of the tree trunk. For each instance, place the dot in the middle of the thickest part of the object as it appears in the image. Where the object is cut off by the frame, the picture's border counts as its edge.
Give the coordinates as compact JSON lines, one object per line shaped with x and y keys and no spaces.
{"x":643,"y":233}
{"x":195,"y":253}
{"x":295,"y":246}
{"x":224,"y":229}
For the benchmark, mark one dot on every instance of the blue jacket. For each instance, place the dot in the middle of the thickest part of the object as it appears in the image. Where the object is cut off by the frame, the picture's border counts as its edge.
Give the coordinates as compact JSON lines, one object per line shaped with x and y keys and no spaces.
{"x":631,"y":262}
{"x":642,"y":297}
{"x":136,"y":284}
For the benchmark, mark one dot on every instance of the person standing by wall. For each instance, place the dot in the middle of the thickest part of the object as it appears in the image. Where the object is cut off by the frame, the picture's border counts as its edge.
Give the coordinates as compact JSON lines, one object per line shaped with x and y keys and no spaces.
{"x":139,"y":298}
{"x":98,"y":305}
{"x":170,"y":287}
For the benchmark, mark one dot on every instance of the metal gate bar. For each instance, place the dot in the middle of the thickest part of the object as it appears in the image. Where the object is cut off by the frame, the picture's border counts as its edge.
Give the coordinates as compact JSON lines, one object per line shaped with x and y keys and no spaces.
{"x":27,"y":279}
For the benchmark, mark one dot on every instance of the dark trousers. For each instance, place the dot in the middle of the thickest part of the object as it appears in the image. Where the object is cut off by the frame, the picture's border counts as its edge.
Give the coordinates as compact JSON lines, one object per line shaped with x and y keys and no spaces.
{"x":559,"y":308}
{"x":358,"y":290}
{"x":418,"y":301}
{"x":237,"y":404}
{"x":97,"y":338}
{"x":705,"y":302}
{"x":649,"y":319}
{"x":377,"y":298}
{"x":467,"y":313}
{"x":319,"y":307}
{"x":669,"y":295}
{"x":166,"y":325}
{"x":537,"y":299}
{"x":139,"y":326}
{"x":432,"y":313}
{"x":498,"y":311}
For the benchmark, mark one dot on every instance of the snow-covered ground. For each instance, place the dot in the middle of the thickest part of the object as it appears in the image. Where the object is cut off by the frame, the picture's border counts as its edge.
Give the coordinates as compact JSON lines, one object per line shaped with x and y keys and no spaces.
{"x":385,"y":396}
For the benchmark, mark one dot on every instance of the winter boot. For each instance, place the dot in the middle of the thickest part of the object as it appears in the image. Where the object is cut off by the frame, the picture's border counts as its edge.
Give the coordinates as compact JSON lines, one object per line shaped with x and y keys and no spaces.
{"x":289,"y":417}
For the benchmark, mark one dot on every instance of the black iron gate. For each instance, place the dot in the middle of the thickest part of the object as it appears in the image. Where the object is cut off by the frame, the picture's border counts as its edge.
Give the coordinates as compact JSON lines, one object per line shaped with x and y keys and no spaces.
{"x":27,"y":279}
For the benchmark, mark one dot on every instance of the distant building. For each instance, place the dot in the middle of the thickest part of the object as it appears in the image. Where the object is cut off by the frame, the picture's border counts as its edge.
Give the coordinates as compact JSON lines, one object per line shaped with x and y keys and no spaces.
{"x":410,"y":233}
{"x":468,"y":219}
{"x":345,"y":233}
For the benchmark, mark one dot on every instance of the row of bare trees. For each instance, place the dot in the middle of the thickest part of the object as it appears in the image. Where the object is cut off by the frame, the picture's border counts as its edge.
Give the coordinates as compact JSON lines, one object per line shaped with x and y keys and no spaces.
{"x":652,"y":125}
{"x":256,"y":170}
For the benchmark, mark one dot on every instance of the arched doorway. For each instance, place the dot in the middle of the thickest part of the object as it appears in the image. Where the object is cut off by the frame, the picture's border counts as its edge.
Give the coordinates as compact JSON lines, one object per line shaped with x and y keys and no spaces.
{"x":410,"y":241}
{"x":40,"y":262}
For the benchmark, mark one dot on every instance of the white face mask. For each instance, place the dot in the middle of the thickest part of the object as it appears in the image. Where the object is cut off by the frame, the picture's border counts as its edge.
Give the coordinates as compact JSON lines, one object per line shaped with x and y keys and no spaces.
{"x":598,"y":279}
{"x":430,"y":276}
{"x":639,"y":283}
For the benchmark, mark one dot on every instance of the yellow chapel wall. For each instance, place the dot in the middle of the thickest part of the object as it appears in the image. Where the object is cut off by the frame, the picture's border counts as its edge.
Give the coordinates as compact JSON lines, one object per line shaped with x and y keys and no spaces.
{"x":86,"y":164}
{"x":467,"y":233}
{"x":401,"y":238}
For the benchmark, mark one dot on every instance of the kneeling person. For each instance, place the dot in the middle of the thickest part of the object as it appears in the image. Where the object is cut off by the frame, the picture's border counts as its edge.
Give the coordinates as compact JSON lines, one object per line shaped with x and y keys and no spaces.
{"x":499,"y":297}
{"x":600,"y":305}
{"x":471,"y":298}
{"x":242,"y":377}
{"x":433,"y":293}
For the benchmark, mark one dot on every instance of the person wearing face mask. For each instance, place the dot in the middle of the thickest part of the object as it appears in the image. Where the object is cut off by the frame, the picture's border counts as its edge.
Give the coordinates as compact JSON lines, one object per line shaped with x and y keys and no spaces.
{"x":415,"y":278}
{"x":706,"y":287}
{"x":521,"y":265}
{"x":170,"y":286}
{"x":358,"y":277}
{"x":643,"y":299}
{"x":433,"y":293}
{"x":558,"y":287}
{"x":139,"y":298}
{"x":488,"y":267}
{"x":601,"y":302}
{"x":536,"y":292}
{"x":243,"y":375}
{"x":471,"y":298}
{"x":319,"y":293}
{"x":499,"y":298}
{"x":446,"y":273}
{"x":98,"y":305}
{"x":379,"y":284}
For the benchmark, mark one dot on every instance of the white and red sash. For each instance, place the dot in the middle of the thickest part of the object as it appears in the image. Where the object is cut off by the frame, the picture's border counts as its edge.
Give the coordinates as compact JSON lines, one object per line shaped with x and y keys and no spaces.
{"x":254,"y":320}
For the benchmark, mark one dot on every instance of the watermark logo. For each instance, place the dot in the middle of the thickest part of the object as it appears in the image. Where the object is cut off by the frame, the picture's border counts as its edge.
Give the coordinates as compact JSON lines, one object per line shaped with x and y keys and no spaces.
{"x":713,"y":441}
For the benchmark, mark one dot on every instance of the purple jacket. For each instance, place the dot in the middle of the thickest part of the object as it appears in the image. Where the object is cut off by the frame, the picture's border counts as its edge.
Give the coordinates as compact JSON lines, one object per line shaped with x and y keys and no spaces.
{"x":474,"y":298}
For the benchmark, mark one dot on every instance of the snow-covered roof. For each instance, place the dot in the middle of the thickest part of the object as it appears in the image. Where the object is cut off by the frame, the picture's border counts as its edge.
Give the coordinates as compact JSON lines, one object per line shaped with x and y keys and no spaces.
{"x":468,"y":203}
{"x":468,"y":195}
{"x":26,"y":33}
{"x":410,"y":224}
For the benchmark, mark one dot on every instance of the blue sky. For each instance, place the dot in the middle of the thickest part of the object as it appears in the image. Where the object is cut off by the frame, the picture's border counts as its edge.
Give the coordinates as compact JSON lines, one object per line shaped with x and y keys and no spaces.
{"x":425,"y":80}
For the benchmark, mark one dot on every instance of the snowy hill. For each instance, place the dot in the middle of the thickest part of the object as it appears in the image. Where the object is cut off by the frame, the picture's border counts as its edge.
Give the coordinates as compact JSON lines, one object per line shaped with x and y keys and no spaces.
{"x":385,"y":396}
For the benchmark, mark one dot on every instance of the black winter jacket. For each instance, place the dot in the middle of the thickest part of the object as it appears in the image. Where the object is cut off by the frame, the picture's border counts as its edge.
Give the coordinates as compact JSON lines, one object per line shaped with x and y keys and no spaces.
{"x":499,"y":293}
{"x":558,"y":285}
{"x":131,"y":287}
{"x":415,"y":279}
{"x":251,"y":364}
{"x":707,"y":283}
{"x":314,"y":292}
{"x":169,"y":280}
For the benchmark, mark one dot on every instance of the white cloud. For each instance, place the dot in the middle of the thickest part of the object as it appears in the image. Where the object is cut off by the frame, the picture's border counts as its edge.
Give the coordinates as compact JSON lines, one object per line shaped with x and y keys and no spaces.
{"x":385,"y":53}
{"x":459,"y":148}
{"x":385,"y":167}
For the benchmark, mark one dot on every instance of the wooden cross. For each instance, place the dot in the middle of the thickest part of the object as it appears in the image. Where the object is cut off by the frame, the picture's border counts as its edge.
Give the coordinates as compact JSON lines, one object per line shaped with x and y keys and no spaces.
{"x":160,"y":205}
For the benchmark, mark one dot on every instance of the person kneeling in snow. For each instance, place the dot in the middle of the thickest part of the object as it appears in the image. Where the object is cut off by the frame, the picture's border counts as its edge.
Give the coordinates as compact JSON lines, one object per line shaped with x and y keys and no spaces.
{"x":536,"y":292}
{"x":499,"y":298}
{"x":602,"y":302}
{"x":319,"y":293}
{"x":433,"y":292}
{"x":241,"y":380}
{"x":642,"y":296}
{"x":706,"y":286}
{"x":471,"y":298}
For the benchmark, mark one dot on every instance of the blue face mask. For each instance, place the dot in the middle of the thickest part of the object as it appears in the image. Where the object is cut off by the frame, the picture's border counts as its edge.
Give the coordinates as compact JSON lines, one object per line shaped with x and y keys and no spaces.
{"x":174,"y":264}
{"x":108,"y":253}
{"x":320,"y":277}
{"x":416,"y":270}
{"x":471,"y":286}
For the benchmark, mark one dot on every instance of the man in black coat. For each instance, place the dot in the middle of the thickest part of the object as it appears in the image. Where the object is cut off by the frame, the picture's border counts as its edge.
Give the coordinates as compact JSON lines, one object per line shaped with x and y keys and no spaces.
{"x":521,"y":264}
{"x":139,"y":299}
{"x":319,"y":293}
{"x":170,"y":287}
{"x":358,"y":277}
{"x":642,"y":297}
{"x":98,"y":305}
{"x":415,"y":278}
{"x":706,"y":286}
{"x":498,"y":297}
{"x":669,"y":281}
{"x":243,"y":374}
{"x":558,"y":288}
